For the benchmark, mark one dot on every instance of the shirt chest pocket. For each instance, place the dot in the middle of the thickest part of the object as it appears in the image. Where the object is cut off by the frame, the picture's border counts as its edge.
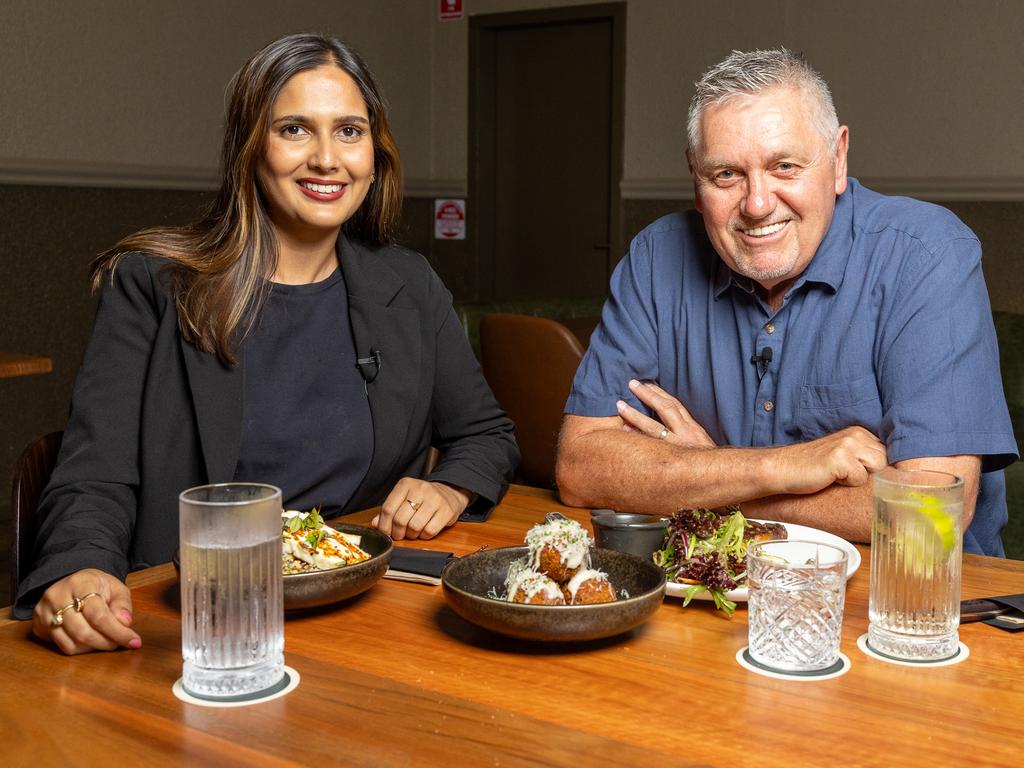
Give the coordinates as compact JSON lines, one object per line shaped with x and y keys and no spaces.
{"x":826,"y":408}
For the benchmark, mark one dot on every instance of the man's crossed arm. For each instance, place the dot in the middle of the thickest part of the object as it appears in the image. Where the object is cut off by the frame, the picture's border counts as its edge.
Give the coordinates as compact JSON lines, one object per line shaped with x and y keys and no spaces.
{"x":624,"y":462}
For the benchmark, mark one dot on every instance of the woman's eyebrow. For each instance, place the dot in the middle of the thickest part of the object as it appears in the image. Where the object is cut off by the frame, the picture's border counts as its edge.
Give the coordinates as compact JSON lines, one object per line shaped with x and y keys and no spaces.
{"x":304,"y":119}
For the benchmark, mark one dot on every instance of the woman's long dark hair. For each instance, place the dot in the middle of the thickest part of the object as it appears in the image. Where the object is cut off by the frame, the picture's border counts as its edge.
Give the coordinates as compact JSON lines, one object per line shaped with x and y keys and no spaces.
{"x":220,"y":267}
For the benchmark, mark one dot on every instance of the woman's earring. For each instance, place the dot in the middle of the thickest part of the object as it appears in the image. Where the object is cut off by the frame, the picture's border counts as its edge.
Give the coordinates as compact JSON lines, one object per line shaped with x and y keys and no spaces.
{"x":373,"y":178}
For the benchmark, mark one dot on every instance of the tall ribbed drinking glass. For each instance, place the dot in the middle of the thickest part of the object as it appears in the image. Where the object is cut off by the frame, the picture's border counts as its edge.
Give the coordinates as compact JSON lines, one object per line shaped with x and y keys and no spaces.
{"x":916,"y":553}
{"x":232,"y":603}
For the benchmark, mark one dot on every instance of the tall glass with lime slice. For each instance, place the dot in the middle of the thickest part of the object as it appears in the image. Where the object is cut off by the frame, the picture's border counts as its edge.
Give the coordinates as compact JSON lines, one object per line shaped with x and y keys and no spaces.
{"x":916,"y":551}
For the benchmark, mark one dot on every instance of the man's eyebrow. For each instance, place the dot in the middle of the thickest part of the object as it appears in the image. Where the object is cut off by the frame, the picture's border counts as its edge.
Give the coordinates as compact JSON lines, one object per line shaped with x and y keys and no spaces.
{"x":787,"y":154}
{"x":712,"y":164}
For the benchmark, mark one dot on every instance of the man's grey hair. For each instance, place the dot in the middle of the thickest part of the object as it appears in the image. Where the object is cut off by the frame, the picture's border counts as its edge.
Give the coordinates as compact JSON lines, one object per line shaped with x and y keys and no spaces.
{"x":745,"y":72}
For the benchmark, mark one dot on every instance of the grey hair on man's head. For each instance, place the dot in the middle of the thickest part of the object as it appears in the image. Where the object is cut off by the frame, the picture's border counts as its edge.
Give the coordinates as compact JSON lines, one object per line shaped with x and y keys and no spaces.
{"x":745,"y":72}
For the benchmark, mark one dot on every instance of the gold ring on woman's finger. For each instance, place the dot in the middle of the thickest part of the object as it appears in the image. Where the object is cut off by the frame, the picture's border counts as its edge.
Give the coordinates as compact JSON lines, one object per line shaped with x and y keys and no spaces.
{"x":58,"y":615}
{"x":663,"y":435}
{"x":414,"y":504}
{"x":80,"y":601}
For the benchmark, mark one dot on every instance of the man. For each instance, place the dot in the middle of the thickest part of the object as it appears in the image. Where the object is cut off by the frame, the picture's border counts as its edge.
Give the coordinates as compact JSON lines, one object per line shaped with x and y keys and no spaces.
{"x":792,"y":335}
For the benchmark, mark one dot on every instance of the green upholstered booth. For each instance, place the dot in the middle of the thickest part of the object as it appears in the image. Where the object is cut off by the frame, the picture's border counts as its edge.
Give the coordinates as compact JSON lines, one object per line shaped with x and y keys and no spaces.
{"x":1010,"y":331}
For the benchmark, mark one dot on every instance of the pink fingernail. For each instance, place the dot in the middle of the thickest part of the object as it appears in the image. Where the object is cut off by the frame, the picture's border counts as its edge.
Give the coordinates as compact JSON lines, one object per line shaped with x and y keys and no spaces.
{"x":620,"y":405}
{"x":633,"y":383}
{"x":135,"y":643}
{"x":126,"y":614}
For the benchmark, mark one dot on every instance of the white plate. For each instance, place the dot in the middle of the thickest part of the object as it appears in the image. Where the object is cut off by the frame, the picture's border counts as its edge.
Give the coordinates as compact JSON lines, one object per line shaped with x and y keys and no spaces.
{"x":796,"y":532}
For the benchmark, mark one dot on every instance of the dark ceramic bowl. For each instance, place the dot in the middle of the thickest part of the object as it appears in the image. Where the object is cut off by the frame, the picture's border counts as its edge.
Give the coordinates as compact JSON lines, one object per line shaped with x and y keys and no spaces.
{"x":640,"y":535}
{"x":309,"y":590}
{"x":467,"y":581}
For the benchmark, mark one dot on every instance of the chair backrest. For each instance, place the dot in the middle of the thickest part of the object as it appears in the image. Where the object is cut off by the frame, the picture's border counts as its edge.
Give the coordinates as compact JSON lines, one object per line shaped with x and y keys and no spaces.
{"x":31,"y":474}
{"x":529,"y":363}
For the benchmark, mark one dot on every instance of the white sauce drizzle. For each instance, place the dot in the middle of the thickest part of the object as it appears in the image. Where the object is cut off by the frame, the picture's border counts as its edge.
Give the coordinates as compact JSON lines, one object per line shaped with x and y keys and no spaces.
{"x":567,"y":537}
{"x":521,"y":579}
{"x":584,"y":575}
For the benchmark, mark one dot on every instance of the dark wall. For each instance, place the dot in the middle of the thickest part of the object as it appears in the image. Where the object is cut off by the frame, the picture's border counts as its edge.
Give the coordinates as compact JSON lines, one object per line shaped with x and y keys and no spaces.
{"x":453,"y":260}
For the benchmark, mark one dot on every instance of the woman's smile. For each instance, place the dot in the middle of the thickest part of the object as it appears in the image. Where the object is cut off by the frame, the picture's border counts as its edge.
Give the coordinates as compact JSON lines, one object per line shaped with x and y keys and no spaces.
{"x":319,"y":189}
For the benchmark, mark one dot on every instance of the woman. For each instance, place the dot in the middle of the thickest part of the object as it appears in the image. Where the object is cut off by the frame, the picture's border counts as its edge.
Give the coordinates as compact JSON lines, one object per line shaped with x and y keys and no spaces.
{"x":282,"y":339}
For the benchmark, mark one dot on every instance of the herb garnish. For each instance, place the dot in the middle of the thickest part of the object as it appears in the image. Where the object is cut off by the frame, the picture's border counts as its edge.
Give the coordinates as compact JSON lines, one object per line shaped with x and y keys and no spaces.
{"x":312,"y":523}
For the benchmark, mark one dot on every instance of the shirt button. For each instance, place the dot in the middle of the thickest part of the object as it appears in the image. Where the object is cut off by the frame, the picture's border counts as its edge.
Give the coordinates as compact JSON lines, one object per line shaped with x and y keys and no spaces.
{"x":769,"y":405}
{"x":770,"y":328}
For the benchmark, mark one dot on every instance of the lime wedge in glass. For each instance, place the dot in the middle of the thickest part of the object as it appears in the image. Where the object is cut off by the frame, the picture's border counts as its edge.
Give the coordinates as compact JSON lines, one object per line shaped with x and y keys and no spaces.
{"x":941,"y":521}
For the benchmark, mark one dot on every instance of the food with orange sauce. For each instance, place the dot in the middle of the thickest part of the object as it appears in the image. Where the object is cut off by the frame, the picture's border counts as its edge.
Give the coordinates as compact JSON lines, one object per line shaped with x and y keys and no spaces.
{"x":308,"y":545}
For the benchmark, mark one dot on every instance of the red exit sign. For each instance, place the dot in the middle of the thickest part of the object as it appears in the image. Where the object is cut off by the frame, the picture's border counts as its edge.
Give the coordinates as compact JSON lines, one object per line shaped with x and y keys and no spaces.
{"x":450,"y":10}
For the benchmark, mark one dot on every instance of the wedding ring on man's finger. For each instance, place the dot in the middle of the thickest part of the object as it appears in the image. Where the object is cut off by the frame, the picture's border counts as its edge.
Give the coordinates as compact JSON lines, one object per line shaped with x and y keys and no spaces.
{"x":80,"y":601}
{"x":58,"y":615}
{"x":414,"y":504}
{"x":663,"y":435}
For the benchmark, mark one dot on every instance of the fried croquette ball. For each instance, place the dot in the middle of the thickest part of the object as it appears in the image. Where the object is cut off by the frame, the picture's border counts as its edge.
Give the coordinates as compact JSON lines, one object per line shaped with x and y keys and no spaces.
{"x":589,"y":587}
{"x":528,"y":586}
{"x":540,"y":597}
{"x":552,"y":565}
{"x":559,"y":547}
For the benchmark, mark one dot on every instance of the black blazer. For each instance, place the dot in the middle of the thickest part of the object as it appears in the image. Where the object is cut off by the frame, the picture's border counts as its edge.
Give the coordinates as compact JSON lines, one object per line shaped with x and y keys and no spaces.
{"x":152,"y":415}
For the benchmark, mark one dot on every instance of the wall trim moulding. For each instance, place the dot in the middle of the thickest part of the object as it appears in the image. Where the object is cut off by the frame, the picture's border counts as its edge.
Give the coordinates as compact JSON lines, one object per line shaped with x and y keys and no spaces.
{"x":53,"y":173}
{"x":435,"y":187}
{"x":936,"y":188}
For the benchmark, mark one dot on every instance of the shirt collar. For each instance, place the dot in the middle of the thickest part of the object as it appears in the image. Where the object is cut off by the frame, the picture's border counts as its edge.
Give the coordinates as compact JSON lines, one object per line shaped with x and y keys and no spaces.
{"x":725,"y":277}
{"x":829,"y":263}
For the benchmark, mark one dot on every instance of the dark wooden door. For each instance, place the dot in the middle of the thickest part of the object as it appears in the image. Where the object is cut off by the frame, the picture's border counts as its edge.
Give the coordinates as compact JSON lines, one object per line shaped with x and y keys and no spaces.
{"x":546,"y":161}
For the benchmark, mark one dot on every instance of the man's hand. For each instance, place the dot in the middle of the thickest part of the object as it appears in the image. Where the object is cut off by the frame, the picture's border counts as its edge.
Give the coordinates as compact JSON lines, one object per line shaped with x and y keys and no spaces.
{"x":677,"y":425}
{"x":418,"y":509}
{"x":95,"y":610}
{"x":846,"y":457}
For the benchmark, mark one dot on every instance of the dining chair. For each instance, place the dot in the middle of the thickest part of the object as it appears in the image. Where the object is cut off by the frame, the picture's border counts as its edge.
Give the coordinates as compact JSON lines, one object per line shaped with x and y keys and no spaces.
{"x":31,"y":473}
{"x":529,"y":362}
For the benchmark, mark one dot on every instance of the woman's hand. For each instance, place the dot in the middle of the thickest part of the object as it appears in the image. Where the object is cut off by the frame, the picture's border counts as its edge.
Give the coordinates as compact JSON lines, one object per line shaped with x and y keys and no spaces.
{"x":677,"y":426}
{"x":417,"y":509}
{"x":89,"y":610}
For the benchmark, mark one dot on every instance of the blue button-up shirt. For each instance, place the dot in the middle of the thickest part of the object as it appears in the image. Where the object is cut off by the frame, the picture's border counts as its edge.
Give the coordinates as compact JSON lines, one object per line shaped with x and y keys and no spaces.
{"x":889,"y":327}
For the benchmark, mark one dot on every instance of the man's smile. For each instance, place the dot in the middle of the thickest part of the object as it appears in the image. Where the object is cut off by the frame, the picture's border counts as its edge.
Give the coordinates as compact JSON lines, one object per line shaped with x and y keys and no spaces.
{"x":764,"y":230}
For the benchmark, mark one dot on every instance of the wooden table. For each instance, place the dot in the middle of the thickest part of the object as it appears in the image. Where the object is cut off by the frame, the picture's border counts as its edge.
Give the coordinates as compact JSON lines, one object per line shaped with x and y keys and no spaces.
{"x":396,"y":678}
{"x":23,"y":365}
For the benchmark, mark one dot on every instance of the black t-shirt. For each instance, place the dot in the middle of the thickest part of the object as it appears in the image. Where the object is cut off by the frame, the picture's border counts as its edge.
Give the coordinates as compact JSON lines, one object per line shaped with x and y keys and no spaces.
{"x":306,"y":424}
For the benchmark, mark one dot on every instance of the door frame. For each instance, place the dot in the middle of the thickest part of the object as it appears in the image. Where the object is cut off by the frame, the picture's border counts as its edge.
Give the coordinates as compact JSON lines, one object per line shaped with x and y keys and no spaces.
{"x":483,"y":31}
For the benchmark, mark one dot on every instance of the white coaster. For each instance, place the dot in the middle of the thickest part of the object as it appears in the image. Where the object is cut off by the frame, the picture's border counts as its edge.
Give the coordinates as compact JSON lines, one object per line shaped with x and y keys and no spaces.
{"x":841,"y":667}
{"x":867,"y":650}
{"x":287,"y":685}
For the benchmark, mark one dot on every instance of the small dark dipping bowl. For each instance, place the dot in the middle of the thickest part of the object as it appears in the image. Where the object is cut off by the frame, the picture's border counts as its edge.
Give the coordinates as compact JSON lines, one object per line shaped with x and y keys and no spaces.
{"x":640,"y":535}
{"x":467,"y":581}
{"x":309,"y":590}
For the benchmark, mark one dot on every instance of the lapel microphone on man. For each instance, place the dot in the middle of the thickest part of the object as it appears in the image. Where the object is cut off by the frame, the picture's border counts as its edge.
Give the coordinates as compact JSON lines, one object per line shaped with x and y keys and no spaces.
{"x":761,"y":361}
